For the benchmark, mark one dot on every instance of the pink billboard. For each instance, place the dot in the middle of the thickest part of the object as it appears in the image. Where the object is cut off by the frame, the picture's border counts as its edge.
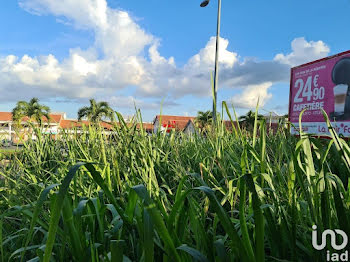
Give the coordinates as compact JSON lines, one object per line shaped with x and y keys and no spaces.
{"x":321,"y":84}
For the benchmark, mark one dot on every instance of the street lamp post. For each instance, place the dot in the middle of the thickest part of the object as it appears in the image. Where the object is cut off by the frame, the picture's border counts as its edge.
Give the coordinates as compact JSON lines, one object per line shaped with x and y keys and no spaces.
{"x":216,"y":74}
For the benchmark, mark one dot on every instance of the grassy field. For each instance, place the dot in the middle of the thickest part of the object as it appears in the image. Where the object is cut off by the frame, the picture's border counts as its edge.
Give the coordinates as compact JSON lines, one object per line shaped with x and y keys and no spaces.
{"x":232,"y":196}
{"x":8,"y":150}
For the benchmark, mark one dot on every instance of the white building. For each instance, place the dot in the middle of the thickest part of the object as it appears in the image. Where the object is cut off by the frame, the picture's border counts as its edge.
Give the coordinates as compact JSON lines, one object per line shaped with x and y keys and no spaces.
{"x":9,"y":132}
{"x":58,"y":123}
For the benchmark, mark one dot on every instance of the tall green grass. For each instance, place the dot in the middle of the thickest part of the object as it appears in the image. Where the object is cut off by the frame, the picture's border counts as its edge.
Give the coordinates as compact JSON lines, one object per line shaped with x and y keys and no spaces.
{"x":229,"y":196}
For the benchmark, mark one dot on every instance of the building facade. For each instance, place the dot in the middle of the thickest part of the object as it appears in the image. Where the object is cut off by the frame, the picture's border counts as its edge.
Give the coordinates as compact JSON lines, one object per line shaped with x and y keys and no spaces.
{"x":58,"y":122}
{"x":168,"y":122}
{"x":15,"y":131}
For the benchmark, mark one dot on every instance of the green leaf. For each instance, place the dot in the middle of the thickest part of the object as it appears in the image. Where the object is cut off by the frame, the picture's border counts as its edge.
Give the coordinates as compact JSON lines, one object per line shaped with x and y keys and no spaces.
{"x":117,"y":250}
{"x":225,"y":222}
{"x":259,"y":220}
{"x":38,"y":206}
{"x":158,"y":221}
{"x":57,"y":211}
{"x":148,"y":237}
{"x":198,"y":256}
{"x":243,"y":225}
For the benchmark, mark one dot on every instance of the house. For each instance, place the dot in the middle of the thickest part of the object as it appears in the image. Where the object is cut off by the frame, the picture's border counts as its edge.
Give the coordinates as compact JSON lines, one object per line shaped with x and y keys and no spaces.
{"x":168,"y":122}
{"x":5,"y":126}
{"x":8,"y":126}
{"x":148,"y":127}
{"x":68,"y":124}
{"x":58,"y":123}
{"x":274,"y":118}
{"x":184,"y":124}
{"x":190,"y":127}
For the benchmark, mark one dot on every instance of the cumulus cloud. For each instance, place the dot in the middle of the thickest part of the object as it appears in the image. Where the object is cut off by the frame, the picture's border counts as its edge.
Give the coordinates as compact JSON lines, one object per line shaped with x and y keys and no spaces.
{"x":82,"y":13}
{"x":303,"y":52}
{"x":256,"y":77}
{"x":124,"y":54}
{"x":204,"y":60}
{"x":250,"y":95}
{"x":194,"y":77}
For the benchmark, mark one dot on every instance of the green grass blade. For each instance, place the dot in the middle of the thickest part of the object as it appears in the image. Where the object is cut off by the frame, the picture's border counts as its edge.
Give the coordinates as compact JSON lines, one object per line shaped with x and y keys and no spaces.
{"x":1,"y":242}
{"x":229,"y":115}
{"x":255,"y":123}
{"x":225,"y":221}
{"x":259,"y":220}
{"x":158,"y":221}
{"x":98,"y":179}
{"x":38,"y":206}
{"x":117,"y":250}
{"x":338,"y":141}
{"x":243,"y":225}
{"x":148,"y":237}
{"x":56,"y":213}
{"x":130,"y":208}
{"x":198,"y":256}
{"x":67,"y":214}
{"x":221,"y":251}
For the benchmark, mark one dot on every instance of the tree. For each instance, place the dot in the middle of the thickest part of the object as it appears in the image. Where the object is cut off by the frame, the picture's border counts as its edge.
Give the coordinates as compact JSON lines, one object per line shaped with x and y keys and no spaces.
{"x":203,"y":119}
{"x":249,"y":119}
{"x":32,"y":109}
{"x":96,"y":111}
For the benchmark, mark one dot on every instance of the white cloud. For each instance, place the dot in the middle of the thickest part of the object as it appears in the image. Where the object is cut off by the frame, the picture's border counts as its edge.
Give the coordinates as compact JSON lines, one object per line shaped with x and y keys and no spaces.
{"x":250,"y":95}
{"x":123,"y":54}
{"x":83,"y":13}
{"x":255,"y":78}
{"x":204,"y":60}
{"x":303,"y":52}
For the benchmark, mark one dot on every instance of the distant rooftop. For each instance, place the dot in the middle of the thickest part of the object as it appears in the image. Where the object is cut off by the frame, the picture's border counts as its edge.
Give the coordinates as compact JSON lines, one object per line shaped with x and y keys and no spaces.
{"x":7,"y":117}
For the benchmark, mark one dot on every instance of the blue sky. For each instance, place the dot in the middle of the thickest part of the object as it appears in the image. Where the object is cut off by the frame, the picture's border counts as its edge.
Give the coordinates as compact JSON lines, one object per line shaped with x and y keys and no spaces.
{"x":146,"y":52}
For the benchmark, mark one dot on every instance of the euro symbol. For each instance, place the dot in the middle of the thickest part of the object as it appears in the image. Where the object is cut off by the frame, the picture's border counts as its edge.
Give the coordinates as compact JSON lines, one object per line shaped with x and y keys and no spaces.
{"x":316,"y":80}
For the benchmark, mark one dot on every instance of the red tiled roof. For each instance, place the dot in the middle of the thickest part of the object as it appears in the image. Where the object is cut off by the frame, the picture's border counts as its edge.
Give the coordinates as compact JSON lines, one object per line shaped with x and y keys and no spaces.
{"x":146,"y":126}
{"x":180,"y":122}
{"x":181,"y":125}
{"x":54,"y":118}
{"x":106,"y":125}
{"x":7,"y":116}
{"x":66,"y":124}
{"x":166,"y":118}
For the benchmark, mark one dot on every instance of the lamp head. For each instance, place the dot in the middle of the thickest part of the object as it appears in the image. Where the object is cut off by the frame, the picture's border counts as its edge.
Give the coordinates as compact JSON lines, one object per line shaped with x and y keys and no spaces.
{"x":205,"y":3}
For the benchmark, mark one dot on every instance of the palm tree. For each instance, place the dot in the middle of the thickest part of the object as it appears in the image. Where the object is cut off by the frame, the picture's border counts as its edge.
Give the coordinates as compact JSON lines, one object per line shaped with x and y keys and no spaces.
{"x":249,"y":119}
{"x":32,"y":109}
{"x":203,"y":119}
{"x":96,"y":111}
